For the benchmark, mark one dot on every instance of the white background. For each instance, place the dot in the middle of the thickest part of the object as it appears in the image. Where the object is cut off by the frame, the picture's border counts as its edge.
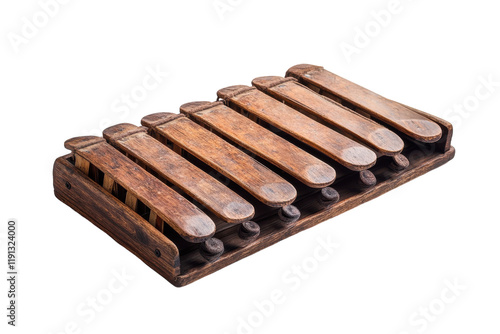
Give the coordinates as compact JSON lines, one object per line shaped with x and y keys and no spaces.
{"x":395,"y":253}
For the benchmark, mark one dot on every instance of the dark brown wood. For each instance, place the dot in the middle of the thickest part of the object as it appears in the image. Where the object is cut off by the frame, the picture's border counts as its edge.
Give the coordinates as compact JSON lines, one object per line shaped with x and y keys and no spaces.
{"x":399,"y":162}
{"x":122,"y":189}
{"x":366,"y":131}
{"x":328,"y":196}
{"x":185,"y":218}
{"x":288,"y":215}
{"x":258,"y":180}
{"x":444,"y":144}
{"x":82,"y":194}
{"x":345,"y":151}
{"x":134,"y":233}
{"x":404,"y":119}
{"x":367,"y":178}
{"x":194,"y":269}
{"x":211,"y":249}
{"x":249,"y":231}
{"x":267,"y":145}
{"x":208,"y":191}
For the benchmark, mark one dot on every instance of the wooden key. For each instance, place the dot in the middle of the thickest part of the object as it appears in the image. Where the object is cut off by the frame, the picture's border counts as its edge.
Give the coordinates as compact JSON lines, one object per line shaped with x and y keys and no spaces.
{"x":258,"y":180}
{"x":256,"y":139}
{"x":362,"y":129}
{"x":345,"y":151}
{"x":184,"y":217}
{"x":444,"y":144}
{"x":413,"y":124}
{"x":205,"y":189}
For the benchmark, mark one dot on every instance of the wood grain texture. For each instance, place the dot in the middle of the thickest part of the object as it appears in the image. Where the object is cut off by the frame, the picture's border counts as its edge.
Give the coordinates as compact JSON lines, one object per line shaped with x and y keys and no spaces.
{"x":267,"y":145}
{"x":258,"y":180}
{"x":404,"y":119}
{"x":362,"y":129}
{"x":193,"y":267}
{"x":114,"y":187}
{"x":117,"y":220}
{"x":345,"y":151}
{"x":185,"y":218}
{"x":138,"y":236}
{"x":205,"y":189}
{"x":443,"y":144}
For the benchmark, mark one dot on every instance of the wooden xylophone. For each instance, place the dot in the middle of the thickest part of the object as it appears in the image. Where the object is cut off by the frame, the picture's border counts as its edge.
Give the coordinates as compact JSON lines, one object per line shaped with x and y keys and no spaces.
{"x":190,"y":193}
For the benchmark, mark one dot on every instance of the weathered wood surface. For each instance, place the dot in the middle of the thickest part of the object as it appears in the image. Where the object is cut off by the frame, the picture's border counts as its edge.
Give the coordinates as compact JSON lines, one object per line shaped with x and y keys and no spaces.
{"x":205,"y":189}
{"x":109,"y":200}
{"x":264,"y":143}
{"x":125,"y":226}
{"x":400,"y":117}
{"x":258,"y":180}
{"x":185,"y":218}
{"x":362,"y":129}
{"x":193,"y":268}
{"x":443,"y":144}
{"x":345,"y":151}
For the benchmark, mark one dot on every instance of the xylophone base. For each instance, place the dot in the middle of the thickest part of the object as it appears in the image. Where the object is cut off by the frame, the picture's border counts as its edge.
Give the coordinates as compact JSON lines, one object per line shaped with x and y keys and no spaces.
{"x":135,"y":233}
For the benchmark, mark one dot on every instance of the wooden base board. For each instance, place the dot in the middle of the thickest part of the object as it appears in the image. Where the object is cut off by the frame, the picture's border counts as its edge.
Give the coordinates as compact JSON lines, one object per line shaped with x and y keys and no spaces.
{"x":144,"y":241}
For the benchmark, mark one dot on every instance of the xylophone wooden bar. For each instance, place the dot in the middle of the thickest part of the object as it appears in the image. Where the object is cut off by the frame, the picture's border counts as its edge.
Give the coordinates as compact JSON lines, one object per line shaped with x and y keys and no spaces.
{"x":340,"y":148}
{"x":289,"y":90}
{"x":262,"y":142}
{"x":266,"y":186}
{"x":444,"y":143}
{"x":205,"y":189}
{"x":394,"y":114}
{"x":343,"y":150}
{"x":329,"y":112}
{"x":190,"y":222}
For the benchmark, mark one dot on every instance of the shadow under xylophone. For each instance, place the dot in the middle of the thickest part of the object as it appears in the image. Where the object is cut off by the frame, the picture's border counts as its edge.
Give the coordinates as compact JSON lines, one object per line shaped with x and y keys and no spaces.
{"x":190,"y":193}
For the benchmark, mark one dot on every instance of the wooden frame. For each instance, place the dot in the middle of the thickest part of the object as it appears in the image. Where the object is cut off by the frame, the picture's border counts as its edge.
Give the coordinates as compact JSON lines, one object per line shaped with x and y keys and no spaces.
{"x":101,"y":198}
